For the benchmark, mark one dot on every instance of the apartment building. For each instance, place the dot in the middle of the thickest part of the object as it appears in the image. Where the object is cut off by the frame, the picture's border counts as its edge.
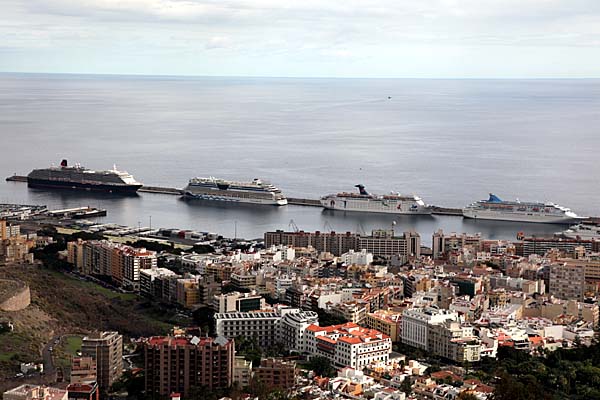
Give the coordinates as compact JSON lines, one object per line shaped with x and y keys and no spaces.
{"x":119,"y":262}
{"x":158,"y":283}
{"x":451,"y":340}
{"x":176,"y":364}
{"x":83,"y":370}
{"x":276,"y":373}
{"x":416,"y":323}
{"x":387,"y":322}
{"x":106,"y":349}
{"x":567,"y":281}
{"x":382,"y":243}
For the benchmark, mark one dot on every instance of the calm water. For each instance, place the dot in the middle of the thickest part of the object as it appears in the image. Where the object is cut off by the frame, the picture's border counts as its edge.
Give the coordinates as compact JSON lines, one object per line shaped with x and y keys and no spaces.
{"x":450,"y":141}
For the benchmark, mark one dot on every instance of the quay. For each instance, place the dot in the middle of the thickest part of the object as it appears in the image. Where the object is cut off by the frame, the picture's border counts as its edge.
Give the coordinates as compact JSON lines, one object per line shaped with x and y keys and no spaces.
{"x":303,"y":202}
{"x":16,"y":178}
{"x":296,"y":201}
{"x":161,"y":190}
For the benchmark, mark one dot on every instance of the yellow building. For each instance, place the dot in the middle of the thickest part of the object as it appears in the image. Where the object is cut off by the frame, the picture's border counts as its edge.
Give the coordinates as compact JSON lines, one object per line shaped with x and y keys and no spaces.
{"x":386,"y":321}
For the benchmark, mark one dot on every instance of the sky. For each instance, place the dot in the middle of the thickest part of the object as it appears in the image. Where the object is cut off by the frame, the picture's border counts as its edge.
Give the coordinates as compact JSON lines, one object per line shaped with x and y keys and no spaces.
{"x":304,"y":38}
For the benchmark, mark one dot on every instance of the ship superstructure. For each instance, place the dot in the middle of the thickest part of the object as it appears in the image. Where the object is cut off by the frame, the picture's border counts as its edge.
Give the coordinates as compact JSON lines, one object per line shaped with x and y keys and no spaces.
{"x":496,"y":209}
{"x":582,"y":231}
{"x":393,"y":203}
{"x":77,"y":177}
{"x":255,"y":192}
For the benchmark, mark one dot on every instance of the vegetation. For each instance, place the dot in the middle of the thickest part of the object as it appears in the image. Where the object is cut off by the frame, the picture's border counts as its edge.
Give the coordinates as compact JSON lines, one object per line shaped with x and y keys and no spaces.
{"x":321,"y":366}
{"x":561,"y":374}
{"x":204,"y":318}
{"x":327,"y":319}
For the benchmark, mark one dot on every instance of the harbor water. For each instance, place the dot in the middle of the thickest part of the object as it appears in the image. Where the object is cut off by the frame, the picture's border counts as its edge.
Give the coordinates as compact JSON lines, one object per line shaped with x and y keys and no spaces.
{"x":450,"y":141}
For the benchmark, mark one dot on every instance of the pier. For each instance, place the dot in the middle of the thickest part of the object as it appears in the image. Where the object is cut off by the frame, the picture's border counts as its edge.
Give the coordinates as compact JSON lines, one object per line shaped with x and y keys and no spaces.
{"x":303,"y":202}
{"x":161,"y":190}
{"x":16,"y":178}
{"x":296,"y":201}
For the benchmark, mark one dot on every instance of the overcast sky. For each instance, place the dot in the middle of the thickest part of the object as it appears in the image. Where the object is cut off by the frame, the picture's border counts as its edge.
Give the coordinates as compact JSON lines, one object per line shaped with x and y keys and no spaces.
{"x":345,"y":38}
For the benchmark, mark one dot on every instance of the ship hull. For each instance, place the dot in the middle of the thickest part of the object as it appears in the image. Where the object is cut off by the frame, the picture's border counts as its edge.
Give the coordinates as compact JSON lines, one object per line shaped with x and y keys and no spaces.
{"x":92,"y":187}
{"x":232,"y":199}
{"x":518,"y":217}
{"x":379,"y":207}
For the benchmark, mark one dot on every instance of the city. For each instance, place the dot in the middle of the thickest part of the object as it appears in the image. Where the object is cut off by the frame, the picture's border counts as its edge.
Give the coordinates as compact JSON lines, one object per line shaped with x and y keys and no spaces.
{"x":295,"y":315}
{"x":304,"y":200}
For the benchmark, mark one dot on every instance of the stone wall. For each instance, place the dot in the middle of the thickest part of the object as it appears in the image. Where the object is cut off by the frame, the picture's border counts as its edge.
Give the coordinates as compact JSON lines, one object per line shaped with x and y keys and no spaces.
{"x":14,"y":295}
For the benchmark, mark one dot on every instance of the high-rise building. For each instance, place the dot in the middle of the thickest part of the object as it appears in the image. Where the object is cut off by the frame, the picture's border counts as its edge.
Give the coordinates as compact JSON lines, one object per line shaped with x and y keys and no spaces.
{"x":176,"y":364}
{"x":106,"y":348}
{"x":381,"y":243}
{"x":567,"y":281}
{"x":119,"y":262}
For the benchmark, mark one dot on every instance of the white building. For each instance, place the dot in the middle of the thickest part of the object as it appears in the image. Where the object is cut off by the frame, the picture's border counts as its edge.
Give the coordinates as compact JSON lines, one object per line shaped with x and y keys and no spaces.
{"x":292,"y":328}
{"x":134,"y":261}
{"x":236,"y":301}
{"x":416,"y":322}
{"x":348,"y":345}
{"x":268,"y":328}
{"x":261,"y":326}
{"x":357,"y":258}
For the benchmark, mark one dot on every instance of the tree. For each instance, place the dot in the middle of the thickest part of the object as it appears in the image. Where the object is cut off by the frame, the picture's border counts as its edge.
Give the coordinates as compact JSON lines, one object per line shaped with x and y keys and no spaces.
{"x":406,"y":386}
{"x":467,"y":396}
{"x":321,"y":366}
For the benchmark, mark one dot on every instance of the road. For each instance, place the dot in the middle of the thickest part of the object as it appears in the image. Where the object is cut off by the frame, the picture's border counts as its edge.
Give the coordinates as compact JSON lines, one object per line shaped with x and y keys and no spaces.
{"x":49,"y":369}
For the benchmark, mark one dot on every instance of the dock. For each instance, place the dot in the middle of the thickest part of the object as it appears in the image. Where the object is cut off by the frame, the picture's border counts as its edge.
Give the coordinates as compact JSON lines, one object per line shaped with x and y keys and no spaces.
{"x":303,"y":202}
{"x":161,"y":190}
{"x":456,"y":212}
{"x":16,"y":178}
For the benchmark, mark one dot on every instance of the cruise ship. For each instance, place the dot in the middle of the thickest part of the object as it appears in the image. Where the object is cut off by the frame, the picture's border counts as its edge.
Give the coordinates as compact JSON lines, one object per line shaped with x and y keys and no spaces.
{"x":363,"y":201}
{"x":496,"y":209}
{"x":255,"y":192}
{"x":78,"y":177}
{"x":582,"y":231}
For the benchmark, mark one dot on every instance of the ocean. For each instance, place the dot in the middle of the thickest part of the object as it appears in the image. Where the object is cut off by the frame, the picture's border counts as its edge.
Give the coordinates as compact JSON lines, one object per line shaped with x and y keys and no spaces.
{"x":449,"y":141}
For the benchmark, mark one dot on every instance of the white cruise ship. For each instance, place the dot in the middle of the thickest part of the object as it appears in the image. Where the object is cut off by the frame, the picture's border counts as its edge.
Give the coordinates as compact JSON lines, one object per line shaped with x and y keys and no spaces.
{"x":582,"y":231}
{"x":255,"y":192}
{"x":365,"y":202}
{"x":496,"y":209}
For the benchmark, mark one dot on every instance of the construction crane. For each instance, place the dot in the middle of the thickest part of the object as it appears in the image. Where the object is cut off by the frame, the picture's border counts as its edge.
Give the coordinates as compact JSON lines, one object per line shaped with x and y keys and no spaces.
{"x":327,"y":226}
{"x":293,"y":226}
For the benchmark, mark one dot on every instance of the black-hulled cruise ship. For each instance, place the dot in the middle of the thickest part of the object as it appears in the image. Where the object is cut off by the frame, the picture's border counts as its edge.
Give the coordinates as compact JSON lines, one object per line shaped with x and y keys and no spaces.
{"x":78,"y":177}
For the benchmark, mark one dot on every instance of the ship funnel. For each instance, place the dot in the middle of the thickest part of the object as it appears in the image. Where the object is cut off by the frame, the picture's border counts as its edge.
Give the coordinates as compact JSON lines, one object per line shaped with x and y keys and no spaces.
{"x":64,"y":163}
{"x":362,"y":190}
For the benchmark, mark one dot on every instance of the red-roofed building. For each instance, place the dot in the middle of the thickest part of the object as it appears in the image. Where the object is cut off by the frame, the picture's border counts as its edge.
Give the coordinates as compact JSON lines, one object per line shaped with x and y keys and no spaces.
{"x":83,"y":391}
{"x":348,"y":345}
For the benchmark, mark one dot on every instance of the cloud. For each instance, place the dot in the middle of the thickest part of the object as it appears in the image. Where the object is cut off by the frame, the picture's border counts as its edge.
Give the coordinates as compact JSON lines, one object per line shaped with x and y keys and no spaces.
{"x":289,"y":31}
